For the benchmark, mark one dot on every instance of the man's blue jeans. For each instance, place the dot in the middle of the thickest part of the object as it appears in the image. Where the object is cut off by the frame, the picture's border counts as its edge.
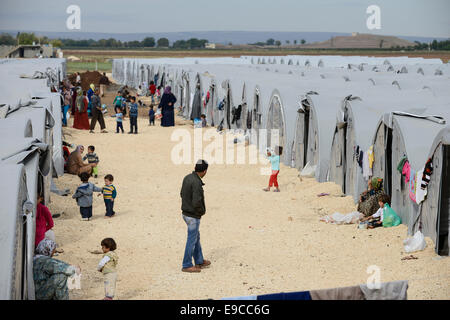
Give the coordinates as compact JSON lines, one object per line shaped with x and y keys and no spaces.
{"x":193,"y":247}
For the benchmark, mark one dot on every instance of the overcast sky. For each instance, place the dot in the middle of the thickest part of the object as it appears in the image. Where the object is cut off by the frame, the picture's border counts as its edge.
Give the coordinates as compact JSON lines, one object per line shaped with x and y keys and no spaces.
{"x":427,"y":18}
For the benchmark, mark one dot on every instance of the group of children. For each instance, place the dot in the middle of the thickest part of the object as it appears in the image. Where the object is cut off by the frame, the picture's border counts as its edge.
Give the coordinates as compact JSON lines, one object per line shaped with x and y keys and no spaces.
{"x":121,"y":105}
{"x":85,"y":191}
{"x":84,"y":197}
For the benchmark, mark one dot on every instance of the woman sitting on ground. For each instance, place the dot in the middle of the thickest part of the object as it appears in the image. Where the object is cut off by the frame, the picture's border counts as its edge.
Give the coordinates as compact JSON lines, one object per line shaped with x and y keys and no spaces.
{"x":50,"y":275}
{"x":75,"y":164}
{"x":368,"y":200}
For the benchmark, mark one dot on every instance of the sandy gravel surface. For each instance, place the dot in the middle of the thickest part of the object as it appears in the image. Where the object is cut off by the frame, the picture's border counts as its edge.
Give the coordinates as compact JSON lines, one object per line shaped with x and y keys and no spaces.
{"x":257,"y":242}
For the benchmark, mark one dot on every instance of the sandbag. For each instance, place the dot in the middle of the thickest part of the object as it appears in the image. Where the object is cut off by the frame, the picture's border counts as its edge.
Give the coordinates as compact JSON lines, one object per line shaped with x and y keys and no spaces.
{"x":390,"y":218}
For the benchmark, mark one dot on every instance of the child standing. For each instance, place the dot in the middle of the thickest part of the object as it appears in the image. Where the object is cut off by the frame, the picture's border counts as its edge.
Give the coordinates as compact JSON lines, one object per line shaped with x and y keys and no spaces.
{"x":151,"y":116}
{"x":83,"y":195}
{"x":133,"y":115}
{"x":109,"y":194}
{"x":119,"y":119}
{"x":92,"y":157}
{"x":108,"y":266}
{"x":152,"y":89}
{"x":203,"y":117}
{"x":275,"y":162}
{"x":118,"y":100}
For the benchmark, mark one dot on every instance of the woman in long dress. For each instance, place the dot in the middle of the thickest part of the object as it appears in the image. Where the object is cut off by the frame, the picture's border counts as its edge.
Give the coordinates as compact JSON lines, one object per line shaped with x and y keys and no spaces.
{"x":167,"y":108}
{"x":81,"y":119}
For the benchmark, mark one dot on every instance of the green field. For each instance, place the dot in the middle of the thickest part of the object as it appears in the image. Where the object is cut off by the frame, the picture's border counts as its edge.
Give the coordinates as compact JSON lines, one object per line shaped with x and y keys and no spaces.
{"x":82,"y":66}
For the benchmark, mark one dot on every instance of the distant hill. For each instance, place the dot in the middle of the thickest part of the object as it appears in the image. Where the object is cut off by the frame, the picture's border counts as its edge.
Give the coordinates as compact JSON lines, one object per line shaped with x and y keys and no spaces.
{"x":360,"y":41}
{"x":221,"y":37}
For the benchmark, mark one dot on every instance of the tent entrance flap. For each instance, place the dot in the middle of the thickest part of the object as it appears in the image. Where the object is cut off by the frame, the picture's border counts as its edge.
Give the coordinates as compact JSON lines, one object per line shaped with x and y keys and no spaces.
{"x":305,"y":133}
{"x":388,"y":164}
{"x":444,"y":205}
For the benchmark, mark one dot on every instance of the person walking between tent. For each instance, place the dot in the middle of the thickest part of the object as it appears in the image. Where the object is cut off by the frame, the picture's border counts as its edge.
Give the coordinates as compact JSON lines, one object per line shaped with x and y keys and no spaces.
{"x":83,"y":195}
{"x":133,"y":115}
{"x":151,"y":116}
{"x":97,"y":114}
{"x":193,"y":208}
{"x":108,"y":266}
{"x":275,"y":162}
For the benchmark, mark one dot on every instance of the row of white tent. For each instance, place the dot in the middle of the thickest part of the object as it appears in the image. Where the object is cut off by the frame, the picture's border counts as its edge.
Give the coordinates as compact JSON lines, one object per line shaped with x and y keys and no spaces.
{"x":30,"y":156}
{"x":324,"y":114}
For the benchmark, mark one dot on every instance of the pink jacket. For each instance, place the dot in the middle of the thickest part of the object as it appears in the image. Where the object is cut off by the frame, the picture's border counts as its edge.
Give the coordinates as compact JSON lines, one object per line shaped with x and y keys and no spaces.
{"x":44,"y":222}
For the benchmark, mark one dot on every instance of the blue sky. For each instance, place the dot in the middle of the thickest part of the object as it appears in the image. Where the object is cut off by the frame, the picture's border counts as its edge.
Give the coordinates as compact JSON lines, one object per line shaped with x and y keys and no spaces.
{"x":427,"y":18}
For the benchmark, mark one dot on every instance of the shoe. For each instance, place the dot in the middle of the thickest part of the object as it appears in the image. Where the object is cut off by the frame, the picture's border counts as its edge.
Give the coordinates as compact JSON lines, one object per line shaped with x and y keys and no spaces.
{"x":90,"y":131}
{"x":56,"y":215}
{"x":191,"y":269}
{"x":84,"y":219}
{"x":135,"y":133}
{"x":266,"y":189}
{"x":130,"y":132}
{"x":204,"y":265}
{"x":276,"y":190}
{"x":104,"y":131}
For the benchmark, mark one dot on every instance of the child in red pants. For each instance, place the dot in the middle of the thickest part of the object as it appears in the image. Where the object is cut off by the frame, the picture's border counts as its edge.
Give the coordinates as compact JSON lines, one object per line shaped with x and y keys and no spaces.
{"x":275,"y":162}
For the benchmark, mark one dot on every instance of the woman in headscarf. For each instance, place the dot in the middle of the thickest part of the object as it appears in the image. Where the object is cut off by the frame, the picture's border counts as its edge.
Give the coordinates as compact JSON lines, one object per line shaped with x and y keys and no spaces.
{"x":50,"y":275}
{"x":81,"y":119}
{"x":167,"y":108}
{"x":90,"y":93}
{"x":368,"y":200}
{"x":75,"y":164}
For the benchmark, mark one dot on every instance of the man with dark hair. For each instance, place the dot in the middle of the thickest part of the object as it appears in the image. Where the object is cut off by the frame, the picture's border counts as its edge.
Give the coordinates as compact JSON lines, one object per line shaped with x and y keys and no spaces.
{"x":97,"y":114}
{"x":193,"y":208}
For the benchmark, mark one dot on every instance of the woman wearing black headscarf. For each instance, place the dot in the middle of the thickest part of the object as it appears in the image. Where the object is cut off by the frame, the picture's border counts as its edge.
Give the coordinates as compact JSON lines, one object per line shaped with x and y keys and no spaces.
{"x":167,"y":108}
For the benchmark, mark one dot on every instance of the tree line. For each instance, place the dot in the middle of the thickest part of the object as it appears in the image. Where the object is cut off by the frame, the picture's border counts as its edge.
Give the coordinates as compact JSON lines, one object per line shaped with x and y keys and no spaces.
{"x":150,"y":42}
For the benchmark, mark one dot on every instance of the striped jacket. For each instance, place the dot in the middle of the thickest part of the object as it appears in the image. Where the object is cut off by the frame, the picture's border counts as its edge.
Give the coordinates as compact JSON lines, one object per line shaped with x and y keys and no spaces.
{"x":109,"y":192}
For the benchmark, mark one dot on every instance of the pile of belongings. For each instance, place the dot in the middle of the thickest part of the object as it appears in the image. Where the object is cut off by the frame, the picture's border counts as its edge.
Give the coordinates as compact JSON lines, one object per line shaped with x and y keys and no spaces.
{"x":394,"y":290}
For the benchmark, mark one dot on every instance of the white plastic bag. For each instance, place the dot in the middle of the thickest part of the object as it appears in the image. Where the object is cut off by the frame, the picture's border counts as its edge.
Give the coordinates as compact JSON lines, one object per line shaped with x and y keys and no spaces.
{"x":416,"y":243}
{"x":308,"y":171}
{"x":339,"y":218}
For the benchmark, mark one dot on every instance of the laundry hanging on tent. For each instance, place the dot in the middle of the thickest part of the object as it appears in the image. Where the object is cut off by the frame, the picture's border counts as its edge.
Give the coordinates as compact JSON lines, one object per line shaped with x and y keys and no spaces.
{"x":401,"y":164}
{"x":412,"y":184}
{"x":427,"y":171}
{"x":420,"y":192}
{"x":367,"y":170}
{"x":406,"y":171}
{"x":371,"y":157}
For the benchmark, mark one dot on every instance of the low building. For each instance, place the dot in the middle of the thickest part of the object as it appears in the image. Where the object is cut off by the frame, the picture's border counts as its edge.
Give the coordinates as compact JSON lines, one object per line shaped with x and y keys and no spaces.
{"x":27,"y":51}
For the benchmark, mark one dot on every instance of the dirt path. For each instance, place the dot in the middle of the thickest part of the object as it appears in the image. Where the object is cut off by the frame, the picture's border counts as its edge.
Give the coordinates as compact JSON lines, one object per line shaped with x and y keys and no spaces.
{"x":258,"y":242}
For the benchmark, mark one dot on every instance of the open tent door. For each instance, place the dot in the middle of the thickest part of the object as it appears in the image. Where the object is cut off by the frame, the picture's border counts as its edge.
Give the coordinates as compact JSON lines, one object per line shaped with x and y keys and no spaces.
{"x":443,"y":221}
